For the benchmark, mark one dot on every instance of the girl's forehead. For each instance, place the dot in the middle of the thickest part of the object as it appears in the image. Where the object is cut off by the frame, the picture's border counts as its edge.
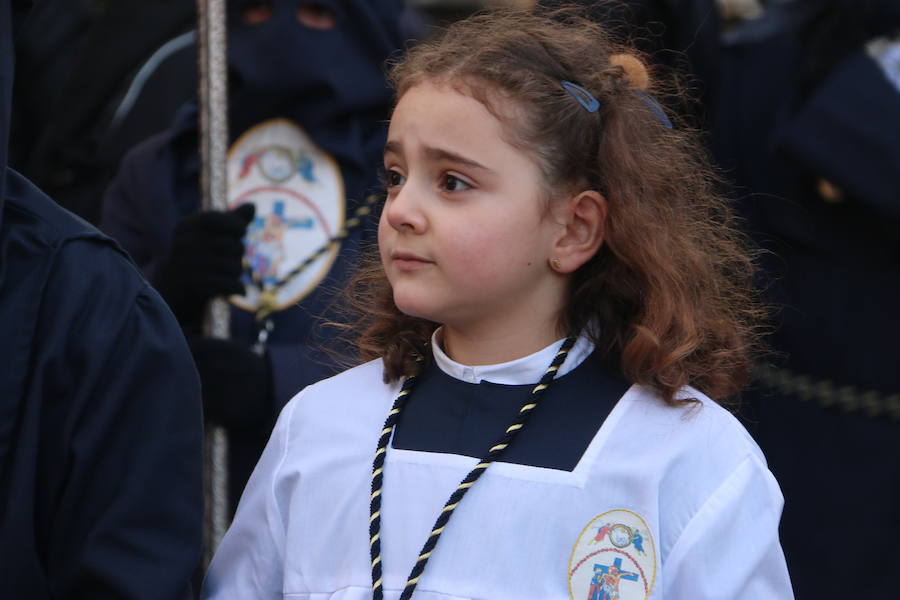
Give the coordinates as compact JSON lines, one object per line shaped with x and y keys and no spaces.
{"x":458,"y":110}
{"x":430,"y":108}
{"x":499,"y":104}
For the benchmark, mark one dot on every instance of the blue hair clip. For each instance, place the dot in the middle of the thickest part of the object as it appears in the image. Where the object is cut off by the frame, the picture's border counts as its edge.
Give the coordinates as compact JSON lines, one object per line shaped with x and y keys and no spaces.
{"x":591,"y":104}
{"x":656,"y":109}
{"x":584,"y":97}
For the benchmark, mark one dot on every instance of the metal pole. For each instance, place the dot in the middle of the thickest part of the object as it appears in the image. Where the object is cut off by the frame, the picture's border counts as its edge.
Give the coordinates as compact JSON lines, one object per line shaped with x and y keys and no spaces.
{"x":213,"y":97}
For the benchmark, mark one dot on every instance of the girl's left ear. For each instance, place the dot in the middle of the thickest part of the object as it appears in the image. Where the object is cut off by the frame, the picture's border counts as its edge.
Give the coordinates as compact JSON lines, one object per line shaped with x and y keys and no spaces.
{"x":583,"y":218}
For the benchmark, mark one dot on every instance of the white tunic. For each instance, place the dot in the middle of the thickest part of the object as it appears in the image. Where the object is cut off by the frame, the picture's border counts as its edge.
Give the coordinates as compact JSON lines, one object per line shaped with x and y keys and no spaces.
{"x":665,"y":503}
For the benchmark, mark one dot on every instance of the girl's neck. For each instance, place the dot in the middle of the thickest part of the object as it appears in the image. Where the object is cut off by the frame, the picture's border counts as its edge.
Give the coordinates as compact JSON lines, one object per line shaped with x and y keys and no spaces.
{"x":473,"y":347}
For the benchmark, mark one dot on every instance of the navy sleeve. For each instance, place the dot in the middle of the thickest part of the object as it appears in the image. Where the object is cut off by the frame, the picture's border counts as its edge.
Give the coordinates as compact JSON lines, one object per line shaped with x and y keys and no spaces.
{"x":122,"y":218}
{"x":833,"y":136}
{"x":120,"y":502}
{"x":139,"y":207}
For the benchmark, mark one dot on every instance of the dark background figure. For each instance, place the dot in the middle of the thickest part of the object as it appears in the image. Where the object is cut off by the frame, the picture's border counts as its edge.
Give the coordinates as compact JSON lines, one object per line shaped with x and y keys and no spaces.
{"x":47,"y":41}
{"x":807,"y":123}
{"x":312,"y":66}
{"x":95,"y":79}
{"x":98,"y":77}
{"x":100,"y":416}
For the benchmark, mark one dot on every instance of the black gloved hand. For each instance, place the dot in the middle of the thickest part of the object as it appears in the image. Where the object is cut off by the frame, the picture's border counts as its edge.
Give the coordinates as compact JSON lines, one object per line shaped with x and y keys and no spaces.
{"x":204,"y":262}
{"x":237,"y":389}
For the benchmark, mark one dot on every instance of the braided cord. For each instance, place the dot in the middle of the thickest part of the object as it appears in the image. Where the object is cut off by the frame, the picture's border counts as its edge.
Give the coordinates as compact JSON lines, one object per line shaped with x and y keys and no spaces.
{"x":377,"y":481}
{"x":456,"y":497}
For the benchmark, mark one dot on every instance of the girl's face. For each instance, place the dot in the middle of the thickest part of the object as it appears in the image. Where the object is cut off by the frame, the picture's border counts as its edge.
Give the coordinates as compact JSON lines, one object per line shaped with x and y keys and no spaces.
{"x":464,"y":237}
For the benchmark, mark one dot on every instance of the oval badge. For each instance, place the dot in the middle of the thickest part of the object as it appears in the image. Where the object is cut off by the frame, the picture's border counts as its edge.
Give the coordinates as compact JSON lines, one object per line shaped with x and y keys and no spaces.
{"x":298,"y":191}
{"x":613,"y":559}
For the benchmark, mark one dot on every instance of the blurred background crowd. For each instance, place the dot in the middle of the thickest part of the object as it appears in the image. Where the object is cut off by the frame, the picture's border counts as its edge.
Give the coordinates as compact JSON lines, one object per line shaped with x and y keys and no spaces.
{"x":798,"y":101}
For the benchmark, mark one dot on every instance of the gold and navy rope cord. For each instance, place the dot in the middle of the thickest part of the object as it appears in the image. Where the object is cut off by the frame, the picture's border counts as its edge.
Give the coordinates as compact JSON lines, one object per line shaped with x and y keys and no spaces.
{"x":268,"y":296}
{"x":456,"y":497}
{"x":378,"y":477}
{"x":825,"y":393}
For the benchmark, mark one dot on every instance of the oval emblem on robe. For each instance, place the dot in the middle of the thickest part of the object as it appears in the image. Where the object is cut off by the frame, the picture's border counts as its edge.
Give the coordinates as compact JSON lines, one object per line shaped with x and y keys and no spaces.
{"x":298,"y":192}
{"x":613,"y":559}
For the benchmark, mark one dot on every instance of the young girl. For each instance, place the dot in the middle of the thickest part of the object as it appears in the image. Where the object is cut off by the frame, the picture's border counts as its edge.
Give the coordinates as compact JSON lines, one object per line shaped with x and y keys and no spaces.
{"x":560,"y":294}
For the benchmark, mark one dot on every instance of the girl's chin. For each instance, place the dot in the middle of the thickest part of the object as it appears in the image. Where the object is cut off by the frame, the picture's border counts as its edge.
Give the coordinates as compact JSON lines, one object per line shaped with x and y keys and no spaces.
{"x":414,"y":306}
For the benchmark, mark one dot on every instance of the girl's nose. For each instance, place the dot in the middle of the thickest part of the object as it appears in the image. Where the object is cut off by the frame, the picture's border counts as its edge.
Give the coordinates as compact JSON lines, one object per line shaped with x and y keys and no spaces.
{"x":403,"y":211}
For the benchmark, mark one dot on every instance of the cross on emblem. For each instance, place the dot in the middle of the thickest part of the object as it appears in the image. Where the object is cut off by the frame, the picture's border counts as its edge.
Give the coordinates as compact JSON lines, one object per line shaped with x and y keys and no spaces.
{"x":605,"y":584}
{"x":277,"y":218}
{"x":265,"y":247}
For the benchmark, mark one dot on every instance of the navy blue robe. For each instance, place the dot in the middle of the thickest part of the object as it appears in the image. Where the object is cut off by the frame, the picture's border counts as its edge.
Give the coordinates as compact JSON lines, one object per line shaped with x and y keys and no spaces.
{"x":100,"y":419}
{"x":100,"y":431}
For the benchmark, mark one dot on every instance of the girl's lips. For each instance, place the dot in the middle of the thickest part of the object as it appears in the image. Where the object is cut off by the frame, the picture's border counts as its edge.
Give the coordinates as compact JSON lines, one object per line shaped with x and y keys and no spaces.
{"x":407,"y":261}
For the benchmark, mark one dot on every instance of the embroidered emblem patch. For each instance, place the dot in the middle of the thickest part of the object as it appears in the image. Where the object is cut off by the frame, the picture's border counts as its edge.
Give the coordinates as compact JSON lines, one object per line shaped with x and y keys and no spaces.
{"x":613,"y":559}
{"x":298,"y":192}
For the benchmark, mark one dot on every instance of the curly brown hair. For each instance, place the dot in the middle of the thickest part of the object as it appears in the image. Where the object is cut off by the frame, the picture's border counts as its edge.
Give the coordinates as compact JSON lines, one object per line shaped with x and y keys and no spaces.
{"x":671,"y":287}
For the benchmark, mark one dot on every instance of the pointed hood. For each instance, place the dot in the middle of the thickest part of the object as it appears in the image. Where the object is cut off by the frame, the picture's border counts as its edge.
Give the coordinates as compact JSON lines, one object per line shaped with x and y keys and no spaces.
{"x":331,"y":82}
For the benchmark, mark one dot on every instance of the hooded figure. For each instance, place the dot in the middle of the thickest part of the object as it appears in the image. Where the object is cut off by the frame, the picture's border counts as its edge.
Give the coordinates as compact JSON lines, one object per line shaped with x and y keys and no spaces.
{"x":308,"y":106}
{"x":809,"y":126}
{"x":100,"y":424}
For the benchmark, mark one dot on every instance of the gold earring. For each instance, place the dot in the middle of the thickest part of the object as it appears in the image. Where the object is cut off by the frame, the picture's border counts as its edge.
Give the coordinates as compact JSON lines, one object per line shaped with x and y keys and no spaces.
{"x":556,"y":264}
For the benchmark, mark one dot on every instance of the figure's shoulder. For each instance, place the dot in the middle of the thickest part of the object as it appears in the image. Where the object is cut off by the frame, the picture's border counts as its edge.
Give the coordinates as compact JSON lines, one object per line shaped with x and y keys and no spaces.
{"x":162,"y":146}
{"x":61,"y":244}
{"x":149,"y":167}
{"x":36,"y":216}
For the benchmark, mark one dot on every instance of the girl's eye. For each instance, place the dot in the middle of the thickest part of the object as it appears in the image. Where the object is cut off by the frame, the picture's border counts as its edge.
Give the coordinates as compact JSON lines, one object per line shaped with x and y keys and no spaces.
{"x":452,"y":183}
{"x":393,"y":179}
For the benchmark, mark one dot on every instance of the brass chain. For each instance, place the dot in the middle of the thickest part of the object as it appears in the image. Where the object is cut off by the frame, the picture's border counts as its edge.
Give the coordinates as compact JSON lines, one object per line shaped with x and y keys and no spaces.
{"x":825,"y":393}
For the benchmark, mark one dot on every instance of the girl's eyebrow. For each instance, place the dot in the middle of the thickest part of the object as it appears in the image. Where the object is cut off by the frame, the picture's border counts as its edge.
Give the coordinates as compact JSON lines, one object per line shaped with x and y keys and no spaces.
{"x":393,"y":148}
{"x":433,"y":153}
